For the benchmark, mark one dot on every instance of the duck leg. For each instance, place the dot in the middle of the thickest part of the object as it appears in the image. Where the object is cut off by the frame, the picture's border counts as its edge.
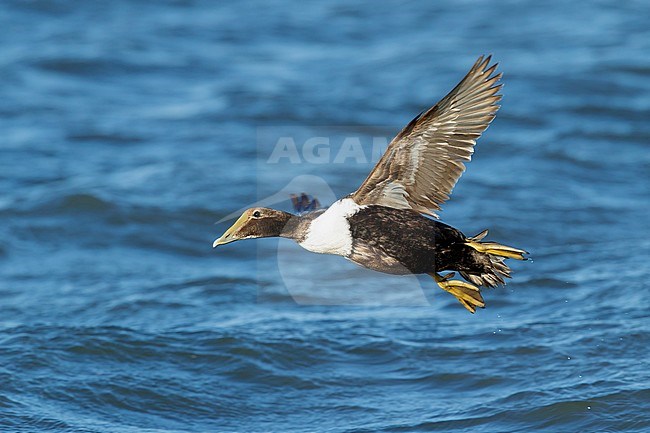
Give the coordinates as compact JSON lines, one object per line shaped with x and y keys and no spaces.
{"x":467,"y":294}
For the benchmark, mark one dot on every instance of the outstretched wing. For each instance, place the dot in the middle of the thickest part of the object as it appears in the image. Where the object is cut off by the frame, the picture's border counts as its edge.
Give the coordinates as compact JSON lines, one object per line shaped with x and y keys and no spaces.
{"x":425,"y":160}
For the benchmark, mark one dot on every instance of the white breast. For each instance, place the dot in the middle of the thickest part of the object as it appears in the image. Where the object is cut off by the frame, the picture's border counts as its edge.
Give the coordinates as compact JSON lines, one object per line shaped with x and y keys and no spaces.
{"x":330,"y":232}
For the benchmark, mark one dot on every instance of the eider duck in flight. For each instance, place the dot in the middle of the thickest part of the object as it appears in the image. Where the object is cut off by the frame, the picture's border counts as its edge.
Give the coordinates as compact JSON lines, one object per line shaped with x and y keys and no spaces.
{"x":388,"y":223}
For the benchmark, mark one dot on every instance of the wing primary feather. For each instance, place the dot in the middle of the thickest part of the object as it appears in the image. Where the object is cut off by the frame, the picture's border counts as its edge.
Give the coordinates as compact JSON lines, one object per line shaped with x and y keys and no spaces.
{"x":426,"y":158}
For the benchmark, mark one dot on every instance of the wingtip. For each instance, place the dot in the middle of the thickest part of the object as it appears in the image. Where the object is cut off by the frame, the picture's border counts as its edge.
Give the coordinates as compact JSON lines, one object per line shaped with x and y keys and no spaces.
{"x":484,"y":62}
{"x":483,"y":68}
{"x":488,"y":59}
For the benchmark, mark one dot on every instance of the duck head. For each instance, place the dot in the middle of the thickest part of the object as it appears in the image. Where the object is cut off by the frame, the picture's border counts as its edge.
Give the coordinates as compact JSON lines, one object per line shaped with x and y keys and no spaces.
{"x":257,"y":222}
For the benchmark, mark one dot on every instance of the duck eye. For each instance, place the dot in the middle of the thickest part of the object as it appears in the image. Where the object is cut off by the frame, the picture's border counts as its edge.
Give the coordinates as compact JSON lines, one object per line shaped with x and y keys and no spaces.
{"x":257,"y":214}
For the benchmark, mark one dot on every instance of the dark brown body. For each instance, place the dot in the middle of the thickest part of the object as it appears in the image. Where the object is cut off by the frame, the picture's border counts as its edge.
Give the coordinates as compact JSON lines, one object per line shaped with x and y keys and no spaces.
{"x":397,"y":241}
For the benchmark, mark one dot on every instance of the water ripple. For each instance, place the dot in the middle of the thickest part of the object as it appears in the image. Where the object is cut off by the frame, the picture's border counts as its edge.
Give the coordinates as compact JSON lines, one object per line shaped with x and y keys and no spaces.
{"x":130,"y":127}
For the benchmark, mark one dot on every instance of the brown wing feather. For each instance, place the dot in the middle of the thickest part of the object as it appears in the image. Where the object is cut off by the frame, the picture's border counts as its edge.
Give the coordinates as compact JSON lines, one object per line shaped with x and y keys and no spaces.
{"x":425,"y":160}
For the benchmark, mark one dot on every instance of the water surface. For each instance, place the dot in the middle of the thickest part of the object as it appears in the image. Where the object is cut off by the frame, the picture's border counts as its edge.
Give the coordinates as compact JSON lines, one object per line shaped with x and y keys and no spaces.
{"x":129,"y":128}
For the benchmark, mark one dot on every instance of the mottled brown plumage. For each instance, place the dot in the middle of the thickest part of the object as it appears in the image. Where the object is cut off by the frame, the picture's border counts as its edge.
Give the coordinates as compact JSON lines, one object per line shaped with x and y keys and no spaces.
{"x":425,"y":160}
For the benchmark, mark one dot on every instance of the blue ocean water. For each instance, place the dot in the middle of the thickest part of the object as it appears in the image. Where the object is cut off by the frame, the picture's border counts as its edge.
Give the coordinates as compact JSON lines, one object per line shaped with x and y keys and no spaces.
{"x":130,"y":127}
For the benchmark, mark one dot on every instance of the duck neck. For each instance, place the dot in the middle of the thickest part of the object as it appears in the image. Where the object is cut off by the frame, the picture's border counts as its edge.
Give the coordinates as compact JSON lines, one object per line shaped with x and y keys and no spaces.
{"x":292,"y":226}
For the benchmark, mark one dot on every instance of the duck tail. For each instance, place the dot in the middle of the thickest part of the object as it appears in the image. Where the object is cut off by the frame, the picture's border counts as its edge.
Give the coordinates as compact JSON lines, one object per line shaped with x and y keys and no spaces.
{"x":494,"y":270}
